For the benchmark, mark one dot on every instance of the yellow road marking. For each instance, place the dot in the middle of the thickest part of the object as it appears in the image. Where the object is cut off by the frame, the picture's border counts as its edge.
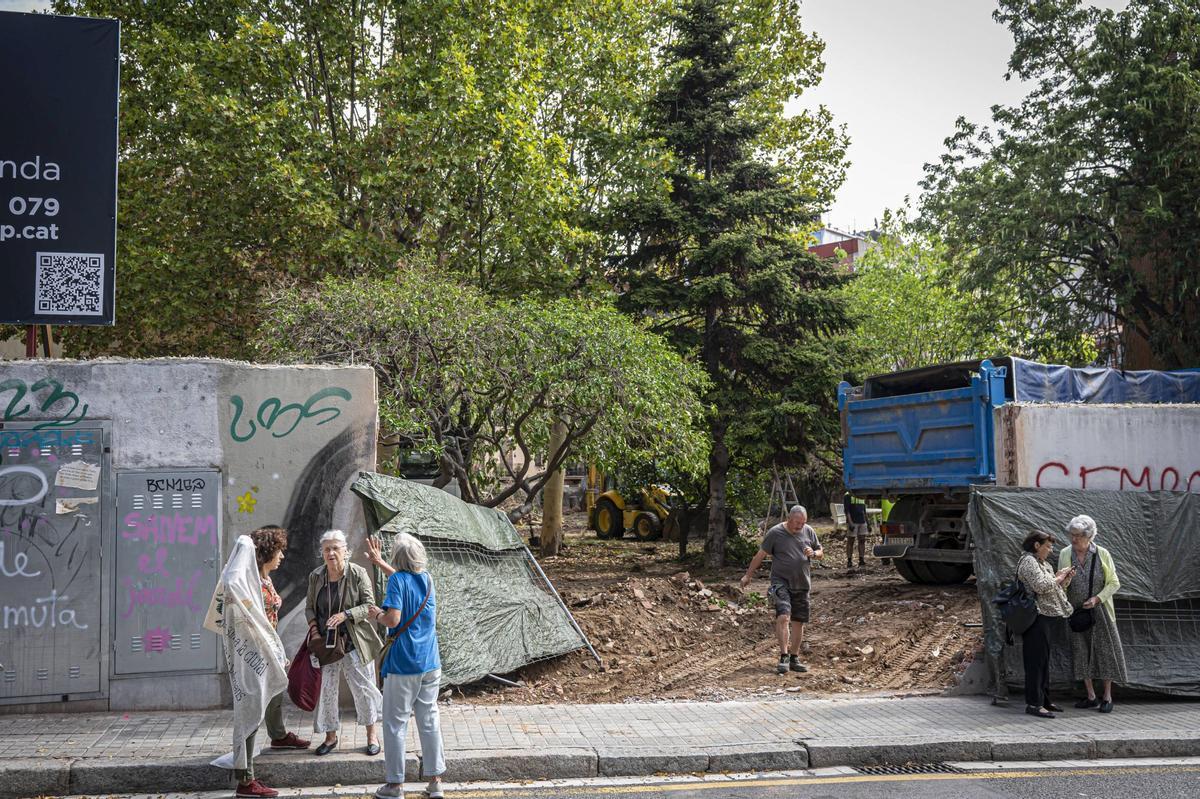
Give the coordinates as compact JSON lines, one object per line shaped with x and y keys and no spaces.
{"x":800,"y":781}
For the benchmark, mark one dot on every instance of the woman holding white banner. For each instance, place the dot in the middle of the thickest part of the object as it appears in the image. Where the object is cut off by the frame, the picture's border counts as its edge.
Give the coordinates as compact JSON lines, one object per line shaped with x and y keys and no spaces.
{"x":254,"y":657}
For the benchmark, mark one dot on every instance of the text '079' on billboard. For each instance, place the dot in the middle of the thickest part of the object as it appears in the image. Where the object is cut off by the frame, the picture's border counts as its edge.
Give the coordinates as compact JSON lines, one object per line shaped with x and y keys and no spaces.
{"x":58,"y":168}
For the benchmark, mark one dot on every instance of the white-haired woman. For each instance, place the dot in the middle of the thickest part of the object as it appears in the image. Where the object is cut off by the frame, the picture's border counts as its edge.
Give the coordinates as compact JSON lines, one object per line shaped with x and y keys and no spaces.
{"x":1097,"y":651}
{"x":412,"y":668}
{"x":340,"y":595}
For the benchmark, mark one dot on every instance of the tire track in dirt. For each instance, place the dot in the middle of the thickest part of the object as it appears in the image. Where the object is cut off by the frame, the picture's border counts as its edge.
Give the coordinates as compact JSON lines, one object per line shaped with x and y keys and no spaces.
{"x":892,"y":667}
{"x":708,"y":671}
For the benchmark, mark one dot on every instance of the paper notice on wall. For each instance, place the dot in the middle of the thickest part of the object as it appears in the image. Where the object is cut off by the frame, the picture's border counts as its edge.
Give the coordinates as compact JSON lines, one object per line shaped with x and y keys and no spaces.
{"x":78,"y":474}
{"x":71,"y":504}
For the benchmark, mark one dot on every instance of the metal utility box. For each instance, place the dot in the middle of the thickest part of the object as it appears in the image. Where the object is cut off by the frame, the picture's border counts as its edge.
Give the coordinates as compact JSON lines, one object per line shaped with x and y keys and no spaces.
{"x":55,"y":515}
{"x":168,"y":559}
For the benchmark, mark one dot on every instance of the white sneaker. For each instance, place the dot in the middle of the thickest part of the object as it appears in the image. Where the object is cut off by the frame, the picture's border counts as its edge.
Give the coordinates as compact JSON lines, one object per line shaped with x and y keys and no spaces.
{"x":390,"y":790}
{"x":434,"y":789}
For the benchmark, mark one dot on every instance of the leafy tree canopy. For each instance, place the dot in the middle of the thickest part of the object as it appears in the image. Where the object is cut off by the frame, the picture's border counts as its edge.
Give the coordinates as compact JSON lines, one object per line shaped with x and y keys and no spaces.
{"x":1082,"y":198}
{"x":475,"y":380}
{"x":911,"y":310}
{"x":718,"y":260}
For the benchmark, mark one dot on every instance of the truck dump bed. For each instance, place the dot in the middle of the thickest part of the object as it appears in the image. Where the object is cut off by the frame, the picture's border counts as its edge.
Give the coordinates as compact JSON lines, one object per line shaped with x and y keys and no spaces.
{"x":932,"y":429}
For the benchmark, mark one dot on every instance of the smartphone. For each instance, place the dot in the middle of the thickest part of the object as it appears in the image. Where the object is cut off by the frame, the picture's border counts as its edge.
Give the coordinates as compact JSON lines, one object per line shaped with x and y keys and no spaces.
{"x":330,"y":638}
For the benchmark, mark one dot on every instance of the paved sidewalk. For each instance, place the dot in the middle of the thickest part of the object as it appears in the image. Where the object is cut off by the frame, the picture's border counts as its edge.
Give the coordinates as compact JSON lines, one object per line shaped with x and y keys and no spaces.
{"x":164,"y":751}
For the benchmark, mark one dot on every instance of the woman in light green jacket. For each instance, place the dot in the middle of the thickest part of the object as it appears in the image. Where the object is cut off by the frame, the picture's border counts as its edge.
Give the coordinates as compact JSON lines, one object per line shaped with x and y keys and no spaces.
{"x":1097,"y":651}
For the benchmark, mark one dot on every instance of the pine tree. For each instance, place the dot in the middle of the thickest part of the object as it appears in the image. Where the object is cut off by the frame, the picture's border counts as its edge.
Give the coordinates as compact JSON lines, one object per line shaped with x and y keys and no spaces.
{"x":719,"y":261}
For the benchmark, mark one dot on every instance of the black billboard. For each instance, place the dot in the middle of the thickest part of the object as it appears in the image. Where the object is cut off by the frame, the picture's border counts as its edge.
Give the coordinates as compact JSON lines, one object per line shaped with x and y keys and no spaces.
{"x":58,"y":168}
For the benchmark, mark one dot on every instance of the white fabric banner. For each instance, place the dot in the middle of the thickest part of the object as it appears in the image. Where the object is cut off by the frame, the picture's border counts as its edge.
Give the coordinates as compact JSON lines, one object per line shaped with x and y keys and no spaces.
{"x":254,"y":655}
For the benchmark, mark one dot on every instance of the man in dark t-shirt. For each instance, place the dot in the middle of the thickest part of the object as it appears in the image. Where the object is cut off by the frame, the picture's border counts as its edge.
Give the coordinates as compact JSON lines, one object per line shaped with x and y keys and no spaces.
{"x":792,"y":545}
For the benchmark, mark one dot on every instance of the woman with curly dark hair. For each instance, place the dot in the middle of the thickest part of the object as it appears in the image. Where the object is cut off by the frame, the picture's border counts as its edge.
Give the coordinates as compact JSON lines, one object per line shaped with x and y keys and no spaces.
{"x":269,"y":545}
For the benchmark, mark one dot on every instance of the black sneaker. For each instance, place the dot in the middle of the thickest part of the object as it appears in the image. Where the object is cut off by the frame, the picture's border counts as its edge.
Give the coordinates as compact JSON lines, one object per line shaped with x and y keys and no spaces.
{"x":782,"y":668}
{"x":795,"y":665}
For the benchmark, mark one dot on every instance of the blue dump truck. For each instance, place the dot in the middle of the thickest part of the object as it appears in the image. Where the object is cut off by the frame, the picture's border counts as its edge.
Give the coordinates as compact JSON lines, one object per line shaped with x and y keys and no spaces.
{"x":923,"y":437}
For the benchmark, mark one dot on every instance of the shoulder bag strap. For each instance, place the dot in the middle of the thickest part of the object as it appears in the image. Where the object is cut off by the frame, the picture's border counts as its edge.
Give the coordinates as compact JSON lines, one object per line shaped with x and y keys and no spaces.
{"x":1092,"y":573}
{"x":409,"y":623}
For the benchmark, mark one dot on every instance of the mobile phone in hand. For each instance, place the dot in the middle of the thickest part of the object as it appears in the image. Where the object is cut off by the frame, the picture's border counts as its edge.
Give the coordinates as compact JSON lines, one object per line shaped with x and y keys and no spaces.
{"x":330,"y":638}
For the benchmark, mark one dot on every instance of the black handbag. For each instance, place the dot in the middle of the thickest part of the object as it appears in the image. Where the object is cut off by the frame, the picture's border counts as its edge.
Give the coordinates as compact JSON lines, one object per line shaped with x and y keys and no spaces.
{"x":1083,"y":618}
{"x":1017,"y":606}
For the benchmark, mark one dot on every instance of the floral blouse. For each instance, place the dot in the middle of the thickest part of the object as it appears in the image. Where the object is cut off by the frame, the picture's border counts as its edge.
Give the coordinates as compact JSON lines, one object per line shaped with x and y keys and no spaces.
{"x":1039,"y":578}
{"x":271,"y":601}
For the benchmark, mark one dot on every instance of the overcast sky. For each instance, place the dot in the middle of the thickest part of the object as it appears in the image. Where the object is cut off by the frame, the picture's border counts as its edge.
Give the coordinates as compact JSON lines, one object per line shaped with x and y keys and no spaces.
{"x":897,"y":75}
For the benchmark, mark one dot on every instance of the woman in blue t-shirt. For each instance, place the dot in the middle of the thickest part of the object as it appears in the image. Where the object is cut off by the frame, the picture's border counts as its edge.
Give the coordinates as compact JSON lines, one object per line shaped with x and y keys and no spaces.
{"x":411,"y":667}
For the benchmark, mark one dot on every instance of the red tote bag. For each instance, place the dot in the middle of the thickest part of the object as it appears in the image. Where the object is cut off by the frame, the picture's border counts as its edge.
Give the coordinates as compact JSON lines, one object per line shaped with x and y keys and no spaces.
{"x":304,"y":682}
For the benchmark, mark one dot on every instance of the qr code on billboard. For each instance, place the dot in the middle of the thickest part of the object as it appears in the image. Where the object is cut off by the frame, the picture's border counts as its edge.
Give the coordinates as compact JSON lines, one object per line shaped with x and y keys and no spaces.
{"x":69,"y":283}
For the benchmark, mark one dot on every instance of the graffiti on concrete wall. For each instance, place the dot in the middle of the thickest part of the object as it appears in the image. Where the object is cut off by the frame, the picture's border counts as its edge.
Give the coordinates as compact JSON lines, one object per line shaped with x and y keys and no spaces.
{"x":279,"y":419}
{"x":1057,"y":474}
{"x":49,"y":555}
{"x":286,"y":469}
{"x":46,"y":398}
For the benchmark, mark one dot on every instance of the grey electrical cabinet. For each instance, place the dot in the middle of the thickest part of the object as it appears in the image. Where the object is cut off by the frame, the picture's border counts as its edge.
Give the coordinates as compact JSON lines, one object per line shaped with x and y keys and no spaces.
{"x":168,"y":559}
{"x":55,"y":515}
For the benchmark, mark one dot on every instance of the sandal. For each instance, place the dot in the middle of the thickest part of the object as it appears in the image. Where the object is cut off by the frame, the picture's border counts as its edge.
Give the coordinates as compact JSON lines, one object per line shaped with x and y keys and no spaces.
{"x":1040,"y":712}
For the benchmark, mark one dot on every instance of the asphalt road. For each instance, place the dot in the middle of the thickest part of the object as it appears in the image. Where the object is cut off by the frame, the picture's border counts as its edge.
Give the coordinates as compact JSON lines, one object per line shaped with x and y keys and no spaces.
{"x":1181,"y":781}
{"x":1115,"y":783}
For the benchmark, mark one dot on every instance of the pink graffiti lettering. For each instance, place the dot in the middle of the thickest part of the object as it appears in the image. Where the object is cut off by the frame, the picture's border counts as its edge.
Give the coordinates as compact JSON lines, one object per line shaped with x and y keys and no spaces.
{"x":169,"y":528}
{"x":181,"y":597}
{"x":1128,"y":478}
{"x":159,"y":565}
{"x":156,"y":639}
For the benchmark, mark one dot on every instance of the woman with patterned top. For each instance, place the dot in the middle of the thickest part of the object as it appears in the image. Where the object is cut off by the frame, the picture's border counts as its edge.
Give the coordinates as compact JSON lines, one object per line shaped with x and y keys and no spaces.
{"x":1047,"y":587}
{"x":269,"y":545}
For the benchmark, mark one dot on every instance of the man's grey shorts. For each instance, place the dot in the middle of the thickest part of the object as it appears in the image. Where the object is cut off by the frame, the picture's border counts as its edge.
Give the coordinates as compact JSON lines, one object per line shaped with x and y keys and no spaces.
{"x":788,"y":602}
{"x":857,"y":530}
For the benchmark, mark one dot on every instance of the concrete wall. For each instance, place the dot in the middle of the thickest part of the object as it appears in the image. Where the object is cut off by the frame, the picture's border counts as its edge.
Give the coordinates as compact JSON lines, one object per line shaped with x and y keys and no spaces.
{"x":287,"y":440}
{"x":1107,"y":447}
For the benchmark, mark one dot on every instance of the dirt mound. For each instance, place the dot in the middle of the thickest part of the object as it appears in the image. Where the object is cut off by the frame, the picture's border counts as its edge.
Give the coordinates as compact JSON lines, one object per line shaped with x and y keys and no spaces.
{"x":664,"y":632}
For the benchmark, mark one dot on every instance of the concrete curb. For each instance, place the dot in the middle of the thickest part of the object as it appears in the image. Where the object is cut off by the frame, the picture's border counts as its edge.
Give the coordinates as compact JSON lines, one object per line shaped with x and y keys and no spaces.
{"x":55,"y":777}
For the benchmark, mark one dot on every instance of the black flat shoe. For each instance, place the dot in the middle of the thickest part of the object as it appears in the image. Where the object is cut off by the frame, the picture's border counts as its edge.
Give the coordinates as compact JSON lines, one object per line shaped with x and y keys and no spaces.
{"x":1106,"y":707}
{"x":326,"y":747}
{"x":1052,"y":707}
{"x":1040,"y":712}
{"x":372,"y":749}
{"x":1085,"y":703}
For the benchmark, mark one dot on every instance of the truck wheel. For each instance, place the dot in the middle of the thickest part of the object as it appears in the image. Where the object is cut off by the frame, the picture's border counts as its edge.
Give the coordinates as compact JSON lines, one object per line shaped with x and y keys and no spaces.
{"x":947,"y":573}
{"x":609,"y":521}
{"x":905,"y":570}
{"x":646,"y":527}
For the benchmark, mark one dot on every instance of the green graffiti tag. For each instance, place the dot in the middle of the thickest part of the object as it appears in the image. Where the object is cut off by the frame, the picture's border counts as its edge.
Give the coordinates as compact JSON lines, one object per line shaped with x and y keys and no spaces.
{"x":272,"y":410}
{"x":14,"y":410}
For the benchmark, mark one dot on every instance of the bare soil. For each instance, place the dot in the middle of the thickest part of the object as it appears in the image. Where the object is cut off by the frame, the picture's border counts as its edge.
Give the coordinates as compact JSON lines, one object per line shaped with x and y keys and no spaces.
{"x":667,"y":630}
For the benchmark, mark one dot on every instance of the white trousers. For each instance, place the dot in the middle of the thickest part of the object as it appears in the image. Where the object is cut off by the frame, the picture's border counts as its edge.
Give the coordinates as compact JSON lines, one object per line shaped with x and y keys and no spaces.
{"x":360,"y":676}
{"x":404,"y":695}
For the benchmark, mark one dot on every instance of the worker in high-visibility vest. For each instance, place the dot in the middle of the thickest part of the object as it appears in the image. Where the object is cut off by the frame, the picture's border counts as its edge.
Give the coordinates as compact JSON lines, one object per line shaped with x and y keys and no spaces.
{"x":856,"y":528}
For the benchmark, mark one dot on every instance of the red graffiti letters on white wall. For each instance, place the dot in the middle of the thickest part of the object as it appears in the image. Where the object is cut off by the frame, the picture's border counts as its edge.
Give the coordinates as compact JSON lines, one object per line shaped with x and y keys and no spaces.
{"x":1168,"y":478}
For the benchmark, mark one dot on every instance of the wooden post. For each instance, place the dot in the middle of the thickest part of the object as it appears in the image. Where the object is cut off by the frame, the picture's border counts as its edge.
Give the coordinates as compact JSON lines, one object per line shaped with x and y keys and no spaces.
{"x":552,"y":497}
{"x":31,"y":341}
{"x":47,"y":340}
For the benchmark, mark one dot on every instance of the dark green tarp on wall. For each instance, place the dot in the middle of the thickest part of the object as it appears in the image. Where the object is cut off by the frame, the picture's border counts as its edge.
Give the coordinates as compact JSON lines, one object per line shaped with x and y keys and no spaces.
{"x":1154,"y":538}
